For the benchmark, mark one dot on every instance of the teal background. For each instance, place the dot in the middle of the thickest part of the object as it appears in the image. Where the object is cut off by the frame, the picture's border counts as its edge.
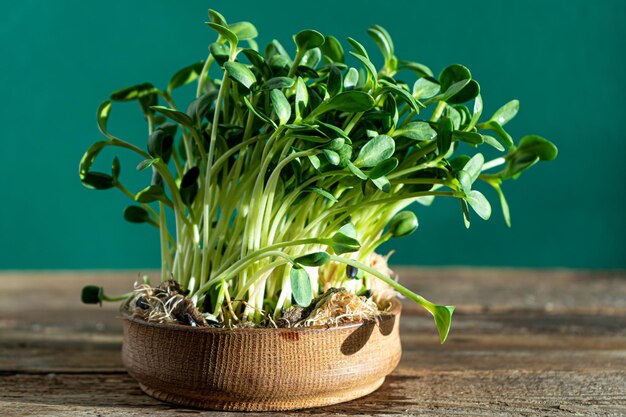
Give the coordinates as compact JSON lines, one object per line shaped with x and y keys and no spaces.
{"x":564,"y":60}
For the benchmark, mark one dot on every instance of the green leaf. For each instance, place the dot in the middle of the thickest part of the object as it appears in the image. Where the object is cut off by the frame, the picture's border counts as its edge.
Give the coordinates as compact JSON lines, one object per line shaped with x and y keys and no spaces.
{"x":216,"y":17}
{"x":300,"y":286}
{"x":472,"y":138}
{"x":98,"y":180}
{"x":103,"y":117}
{"x":454,"y":115}
{"x":257,"y":61}
{"x":453,"y":74}
{"x":146,"y":163}
{"x":308,"y":39}
{"x":345,"y":154}
{"x":505,"y":113}
{"x":91,"y":294}
{"x":390,"y":106}
{"x":499,"y":131}
{"x":444,"y":135}
{"x":134,"y":92}
{"x":150,"y":194}
{"x":245,"y":31}
{"x":302,"y":98}
{"x":185,"y":76}
{"x":189,"y":185}
{"x":336,"y":144}
{"x":281,"y":106}
{"x":330,"y":130}
{"x":403,"y":94}
{"x":443,"y":320}
{"x":478,"y":110}
{"x":491,"y":141}
{"x":465,"y":210}
{"x":278,"y":83}
{"x":420,"y":69}
{"x":348,"y":230}
{"x":383,"y":168}
{"x":175,"y":115}
{"x":351,"y":79}
{"x":334,"y":85}
{"x":518,"y":162}
{"x":240,"y":73}
{"x":358,"y":48}
{"x":538,"y":146}
{"x":368,"y":66}
{"x":311,"y":58}
{"x":383,"y":40}
{"x":200,"y":108}
{"x":90,"y":156}
{"x":306,"y":72}
{"x":424,"y":88}
{"x":503,"y":204}
{"x":469,"y":92}
{"x":474,"y":166}
{"x":161,"y":144}
{"x":403,"y":224}
{"x":447,"y":94}
{"x":458,"y":162}
{"x":356,"y":171}
{"x":115,"y":168}
{"x":352,"y":101}
{"x":345,"y":240}
{"x":332,"y":156}
{"x":332,"y":49}
{"x":530,"y":150}
{"x":382,"y":183}
{"x":479,"y":203}
{"x":375,"y":151}
{"x":313,"y":259}
{"x":257,"y":113}
{"x":224,"y":32}
{"x":420,"y":131}
{"x":466,"y":181}
{"x":321,"y":192}
{"x":136,"y":214}
{"x":220,"y":52}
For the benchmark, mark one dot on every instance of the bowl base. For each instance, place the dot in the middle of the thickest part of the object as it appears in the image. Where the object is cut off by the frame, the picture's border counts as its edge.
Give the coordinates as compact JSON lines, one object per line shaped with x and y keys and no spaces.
{"x":231,"y":404}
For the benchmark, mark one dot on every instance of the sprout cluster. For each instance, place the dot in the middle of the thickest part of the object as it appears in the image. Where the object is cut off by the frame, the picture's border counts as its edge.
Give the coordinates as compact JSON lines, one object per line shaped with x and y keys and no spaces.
{"x":283,"y":164}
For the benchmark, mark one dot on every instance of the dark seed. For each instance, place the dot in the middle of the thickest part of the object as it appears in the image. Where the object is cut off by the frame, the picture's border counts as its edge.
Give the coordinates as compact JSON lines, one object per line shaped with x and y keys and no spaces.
{"x":142,"y":303}
{"x":188,"y":320}
{"x":214,"y":323}
{"x":351,"y":271}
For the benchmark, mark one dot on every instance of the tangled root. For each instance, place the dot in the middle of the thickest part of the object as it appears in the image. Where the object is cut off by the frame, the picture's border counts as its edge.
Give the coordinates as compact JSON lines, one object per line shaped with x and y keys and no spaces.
{"x":166,"y":303}
{"x":336,"y":306}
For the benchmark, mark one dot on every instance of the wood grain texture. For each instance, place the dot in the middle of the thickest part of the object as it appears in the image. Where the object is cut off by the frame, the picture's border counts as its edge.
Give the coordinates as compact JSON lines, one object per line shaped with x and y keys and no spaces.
{"x":261,"y":369}
{"x":523,"y":342}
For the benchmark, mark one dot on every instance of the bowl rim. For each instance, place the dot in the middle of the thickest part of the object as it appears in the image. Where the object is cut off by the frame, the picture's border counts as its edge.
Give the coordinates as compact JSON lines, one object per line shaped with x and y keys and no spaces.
{"x":393,"y":312}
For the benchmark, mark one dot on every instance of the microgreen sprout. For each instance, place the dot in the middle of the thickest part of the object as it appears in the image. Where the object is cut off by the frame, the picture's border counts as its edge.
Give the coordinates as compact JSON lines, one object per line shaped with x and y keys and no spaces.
{"x":287,"y":163}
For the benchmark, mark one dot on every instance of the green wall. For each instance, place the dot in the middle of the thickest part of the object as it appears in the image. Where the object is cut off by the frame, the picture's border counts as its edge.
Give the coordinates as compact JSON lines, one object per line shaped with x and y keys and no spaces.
{"x":564,"y":60}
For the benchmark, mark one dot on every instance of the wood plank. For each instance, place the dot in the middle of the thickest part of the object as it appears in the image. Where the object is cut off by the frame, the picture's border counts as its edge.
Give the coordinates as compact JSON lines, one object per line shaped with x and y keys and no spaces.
{"x":463,"y":393}
{"x":524,"y":342}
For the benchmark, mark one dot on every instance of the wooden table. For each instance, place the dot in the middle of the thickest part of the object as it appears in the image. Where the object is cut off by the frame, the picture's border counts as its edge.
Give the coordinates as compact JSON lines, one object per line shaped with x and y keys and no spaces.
{"x":523,"y":342}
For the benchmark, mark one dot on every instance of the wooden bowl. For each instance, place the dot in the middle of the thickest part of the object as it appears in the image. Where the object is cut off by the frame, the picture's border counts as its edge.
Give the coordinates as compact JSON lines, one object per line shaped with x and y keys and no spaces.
{"x":261,"y":369}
